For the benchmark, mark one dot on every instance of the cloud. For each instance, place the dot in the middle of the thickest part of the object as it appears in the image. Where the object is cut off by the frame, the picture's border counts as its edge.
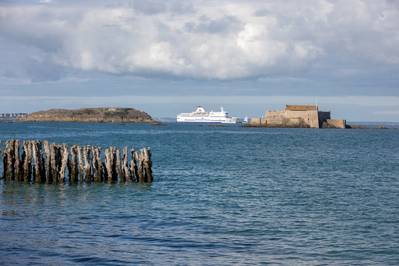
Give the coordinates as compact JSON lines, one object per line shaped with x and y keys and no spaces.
{"x":199,"y":39}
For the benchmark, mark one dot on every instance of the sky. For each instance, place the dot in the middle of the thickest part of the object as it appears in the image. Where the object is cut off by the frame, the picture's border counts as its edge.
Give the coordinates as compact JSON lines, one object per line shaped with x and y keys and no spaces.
{"x":166,"y":57}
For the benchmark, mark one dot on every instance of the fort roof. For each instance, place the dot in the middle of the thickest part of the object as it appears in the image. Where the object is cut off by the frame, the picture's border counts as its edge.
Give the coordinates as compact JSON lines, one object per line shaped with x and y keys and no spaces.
{"x":301,"y":108}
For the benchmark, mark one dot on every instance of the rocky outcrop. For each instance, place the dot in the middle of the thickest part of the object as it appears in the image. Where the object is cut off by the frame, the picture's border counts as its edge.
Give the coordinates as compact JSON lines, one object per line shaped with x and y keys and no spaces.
{"x":116,"y":115}
{"x":334,"y":123}
{"x":282,"y":123}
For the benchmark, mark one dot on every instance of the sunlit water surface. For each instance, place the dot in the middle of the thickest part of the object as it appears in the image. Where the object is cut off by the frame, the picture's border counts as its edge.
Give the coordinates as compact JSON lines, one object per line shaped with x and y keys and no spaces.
{"x":222,"y":195}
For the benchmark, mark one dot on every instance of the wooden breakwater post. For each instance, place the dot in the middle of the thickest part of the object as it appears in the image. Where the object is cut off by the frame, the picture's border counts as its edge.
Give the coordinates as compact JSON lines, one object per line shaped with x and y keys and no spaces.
{"x":34,"y":161}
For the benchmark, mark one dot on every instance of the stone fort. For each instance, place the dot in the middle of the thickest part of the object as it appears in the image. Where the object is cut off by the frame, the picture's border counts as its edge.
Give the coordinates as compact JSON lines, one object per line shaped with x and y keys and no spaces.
{"x":298,"y":116}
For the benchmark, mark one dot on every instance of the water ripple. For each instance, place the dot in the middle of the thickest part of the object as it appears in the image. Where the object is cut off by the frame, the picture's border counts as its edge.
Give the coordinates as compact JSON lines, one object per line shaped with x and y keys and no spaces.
{"x":222,"y":196}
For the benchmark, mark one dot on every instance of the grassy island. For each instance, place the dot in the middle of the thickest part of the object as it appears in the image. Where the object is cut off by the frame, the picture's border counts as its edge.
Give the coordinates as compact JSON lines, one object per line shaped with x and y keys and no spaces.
{"x":115,"y":115}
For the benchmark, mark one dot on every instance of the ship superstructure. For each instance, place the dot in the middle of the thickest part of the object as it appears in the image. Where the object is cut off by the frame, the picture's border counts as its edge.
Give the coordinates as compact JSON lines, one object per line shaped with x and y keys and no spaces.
{"x":202,"y":116}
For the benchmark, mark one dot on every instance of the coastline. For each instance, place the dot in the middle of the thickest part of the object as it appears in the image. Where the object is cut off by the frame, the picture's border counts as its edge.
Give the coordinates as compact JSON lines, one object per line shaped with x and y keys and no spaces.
{"x":91,"y":115}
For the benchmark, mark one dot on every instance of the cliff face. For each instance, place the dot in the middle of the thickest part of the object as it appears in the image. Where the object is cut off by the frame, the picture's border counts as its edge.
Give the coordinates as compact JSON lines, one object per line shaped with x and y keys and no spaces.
{"x":117,"y":115}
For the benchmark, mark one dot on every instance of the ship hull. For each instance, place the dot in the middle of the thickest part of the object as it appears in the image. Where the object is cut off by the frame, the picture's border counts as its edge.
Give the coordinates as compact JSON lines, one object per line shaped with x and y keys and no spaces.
{"x":207,"y":121}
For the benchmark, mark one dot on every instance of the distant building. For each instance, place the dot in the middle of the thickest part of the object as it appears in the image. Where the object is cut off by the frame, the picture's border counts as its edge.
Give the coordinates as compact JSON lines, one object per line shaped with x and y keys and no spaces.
{"x":297,"y":116}
{"x":10,"y":116}
{"x":308,"y":116}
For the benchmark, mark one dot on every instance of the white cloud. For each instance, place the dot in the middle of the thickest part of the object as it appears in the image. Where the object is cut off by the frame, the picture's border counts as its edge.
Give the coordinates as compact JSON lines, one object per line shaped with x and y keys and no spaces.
{"x":203,"y":39}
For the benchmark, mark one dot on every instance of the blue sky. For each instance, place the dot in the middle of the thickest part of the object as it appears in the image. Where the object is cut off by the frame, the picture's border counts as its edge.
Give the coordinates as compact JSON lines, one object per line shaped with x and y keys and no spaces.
{"x":166,"y":57}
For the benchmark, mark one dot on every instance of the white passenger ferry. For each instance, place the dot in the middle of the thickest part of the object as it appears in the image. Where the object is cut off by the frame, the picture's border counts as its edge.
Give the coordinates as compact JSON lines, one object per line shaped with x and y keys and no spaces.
{"x":202,"y":116}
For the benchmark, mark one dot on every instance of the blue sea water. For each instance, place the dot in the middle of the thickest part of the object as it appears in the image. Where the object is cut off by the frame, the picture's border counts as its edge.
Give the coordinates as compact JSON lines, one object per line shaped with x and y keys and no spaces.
{"x":222,"y":196}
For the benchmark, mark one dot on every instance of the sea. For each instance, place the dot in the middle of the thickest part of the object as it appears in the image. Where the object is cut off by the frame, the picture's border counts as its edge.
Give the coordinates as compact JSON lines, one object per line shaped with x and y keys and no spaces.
{"x":222,"y":195}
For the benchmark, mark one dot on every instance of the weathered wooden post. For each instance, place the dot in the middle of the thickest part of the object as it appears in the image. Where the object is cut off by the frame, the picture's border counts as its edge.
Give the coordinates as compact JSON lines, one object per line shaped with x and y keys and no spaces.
{"x":89,"y":165}
{"x":97,"y":165}
{"x":27,"y":161}
{"x":118,"y":165}
{"x":114,"y":165}
{"x":105,"y":173}
{"x":64,"y":161}
{"x":8,"y":160}
{"x":125,"y":166}
{"x":110,"y":164}
{"x":139,"y":160}
{"x":4,"y":163}
{"x":100,"y":165}
{"x":74,"y":164}
{"x":69,"y":164}
{"x":5,"y":158}
{"x":58,"y":161}
{"x":41,"y":162}
{"x":81,"y":167}
{"x":54,"y":161}
{"x":87,"y":162}
{"x":84,"y":162}
{"x":37,"y":158}
{"x":35,"y":164}
{"x":17,"y":162}
{"x":47,"y":162}
{"x":133,"y":166}
{"x":11,"y":162}
{"x":93,"y":163}
{"x":147,"y":165}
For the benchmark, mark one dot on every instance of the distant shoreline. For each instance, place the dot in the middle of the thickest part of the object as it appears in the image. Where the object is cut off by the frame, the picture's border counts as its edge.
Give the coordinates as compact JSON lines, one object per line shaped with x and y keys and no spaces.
{"x":90,"y":115}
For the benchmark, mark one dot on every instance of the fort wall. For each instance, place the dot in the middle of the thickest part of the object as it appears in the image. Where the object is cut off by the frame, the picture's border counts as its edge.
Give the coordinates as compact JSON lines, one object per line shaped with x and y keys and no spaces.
{"x":294,"y":117}
{"x":298,"y":116}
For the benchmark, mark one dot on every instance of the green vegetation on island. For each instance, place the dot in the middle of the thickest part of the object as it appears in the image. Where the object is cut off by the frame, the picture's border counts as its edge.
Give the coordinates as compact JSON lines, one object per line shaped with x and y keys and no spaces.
{"x":115,"y":115}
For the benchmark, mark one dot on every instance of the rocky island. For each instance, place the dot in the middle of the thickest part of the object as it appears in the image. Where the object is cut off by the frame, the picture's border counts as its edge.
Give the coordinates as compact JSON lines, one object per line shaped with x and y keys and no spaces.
{"x":114,"y":115}
{"x":298,"y":116}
